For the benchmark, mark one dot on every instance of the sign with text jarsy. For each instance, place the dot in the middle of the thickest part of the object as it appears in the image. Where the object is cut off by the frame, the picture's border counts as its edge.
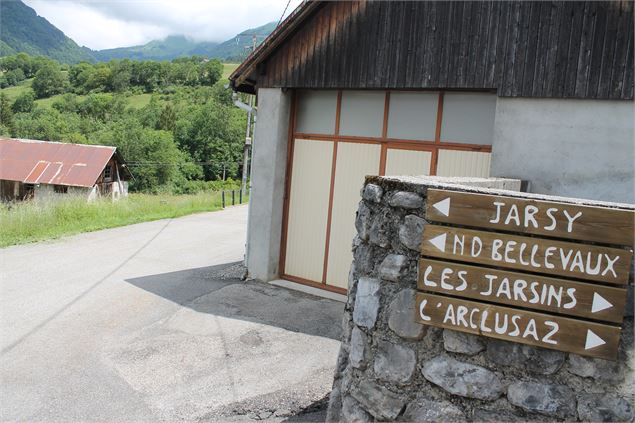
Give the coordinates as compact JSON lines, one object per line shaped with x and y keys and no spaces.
{"x":529,"y":276}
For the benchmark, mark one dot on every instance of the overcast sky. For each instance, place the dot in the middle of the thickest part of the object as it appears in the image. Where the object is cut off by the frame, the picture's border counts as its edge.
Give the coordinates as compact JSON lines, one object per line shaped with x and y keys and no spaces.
{"x":101,"y":24}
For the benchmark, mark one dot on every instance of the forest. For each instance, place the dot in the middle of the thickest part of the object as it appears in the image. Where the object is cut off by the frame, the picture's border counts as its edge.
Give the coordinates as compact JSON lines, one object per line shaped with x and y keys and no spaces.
{"x":173,"y":121}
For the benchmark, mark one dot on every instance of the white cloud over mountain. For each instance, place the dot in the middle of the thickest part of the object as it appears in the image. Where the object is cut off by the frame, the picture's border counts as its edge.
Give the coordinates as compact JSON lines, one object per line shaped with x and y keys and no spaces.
{"x":101,"y":24}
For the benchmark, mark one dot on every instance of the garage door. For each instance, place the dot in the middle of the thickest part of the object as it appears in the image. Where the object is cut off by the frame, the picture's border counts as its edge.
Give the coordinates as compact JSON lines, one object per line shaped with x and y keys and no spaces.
{"x":339,"y":137}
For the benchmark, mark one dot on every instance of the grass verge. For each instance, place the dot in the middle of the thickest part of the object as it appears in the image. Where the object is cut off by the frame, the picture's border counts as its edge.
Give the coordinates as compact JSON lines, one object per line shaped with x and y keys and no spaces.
{"x":32,"y":221}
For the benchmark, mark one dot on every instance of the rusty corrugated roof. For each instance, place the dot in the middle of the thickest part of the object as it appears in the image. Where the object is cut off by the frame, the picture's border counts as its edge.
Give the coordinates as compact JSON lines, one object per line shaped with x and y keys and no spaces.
{"x":45,"y":162}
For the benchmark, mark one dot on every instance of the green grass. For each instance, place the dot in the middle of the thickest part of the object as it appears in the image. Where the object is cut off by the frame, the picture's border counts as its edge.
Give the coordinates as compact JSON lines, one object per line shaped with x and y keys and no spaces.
{"x":228,"y":68}
{"x":13,"y":92}
{"x":32,"y":221}
{"x":138,"y":101}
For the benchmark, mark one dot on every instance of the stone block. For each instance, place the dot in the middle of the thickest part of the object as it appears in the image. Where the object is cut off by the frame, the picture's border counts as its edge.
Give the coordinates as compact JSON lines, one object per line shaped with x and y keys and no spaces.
{"x":378,"y":233}
{"x":604,"y":408}
{"x":535,"y":359}
{"x":334,"y":411}
{"x":353,"y":413}
{"x":394,"y":267}
{"x":547,"y":399}
{"x":372,"y":193}
{"x":406,"y":200}
{"x":366,"y":302}
{"x":380,"y":402}
{"x":358,"y":349}
{"x":363,"y":256}
{"x":596,"y":368}
{"x":482,"y":415}
{"x":401,"y":312}
{"x":423,"y":410}
{"x":464,"y":343}
{"x":362,"y":221}
{"x":466,"y":380}
{"x":411,"y":232}
{"x":394,"y":363}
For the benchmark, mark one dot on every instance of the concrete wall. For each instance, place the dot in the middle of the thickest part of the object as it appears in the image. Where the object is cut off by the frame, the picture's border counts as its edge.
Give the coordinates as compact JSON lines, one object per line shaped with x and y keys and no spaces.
{"x":575,"y":148}
{"x":269,"y":159}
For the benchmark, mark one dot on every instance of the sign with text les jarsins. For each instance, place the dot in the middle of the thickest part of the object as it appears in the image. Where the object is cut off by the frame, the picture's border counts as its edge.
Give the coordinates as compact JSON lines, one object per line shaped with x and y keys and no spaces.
{"x":548,"y":218}
{"x":524,"y":290}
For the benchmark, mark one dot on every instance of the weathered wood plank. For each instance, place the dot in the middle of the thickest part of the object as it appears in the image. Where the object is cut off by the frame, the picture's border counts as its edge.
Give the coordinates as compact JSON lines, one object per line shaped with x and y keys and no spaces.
{"x":529,"y":254}
{"x":524,"y":290}
{"x":537,"y":49}
{"x":550,"y":218}
{"x":525,"y":327}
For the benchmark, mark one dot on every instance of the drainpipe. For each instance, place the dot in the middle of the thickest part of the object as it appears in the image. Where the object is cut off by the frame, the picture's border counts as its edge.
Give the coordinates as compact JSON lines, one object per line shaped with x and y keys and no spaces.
{"x":251,"y":112}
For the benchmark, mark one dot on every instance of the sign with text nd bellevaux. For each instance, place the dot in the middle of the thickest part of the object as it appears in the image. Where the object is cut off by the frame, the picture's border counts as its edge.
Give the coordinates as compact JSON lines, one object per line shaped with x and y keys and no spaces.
{"x":506,"y":277}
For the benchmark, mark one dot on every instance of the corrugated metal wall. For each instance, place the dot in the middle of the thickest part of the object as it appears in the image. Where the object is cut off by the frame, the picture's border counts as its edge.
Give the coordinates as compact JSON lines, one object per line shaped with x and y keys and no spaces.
{"x":354,"y":162}
{"x":309,"y":195}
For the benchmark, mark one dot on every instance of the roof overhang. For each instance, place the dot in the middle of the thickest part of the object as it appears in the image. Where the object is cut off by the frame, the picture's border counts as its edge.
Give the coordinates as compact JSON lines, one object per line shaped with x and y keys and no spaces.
{"x":245,"y":77}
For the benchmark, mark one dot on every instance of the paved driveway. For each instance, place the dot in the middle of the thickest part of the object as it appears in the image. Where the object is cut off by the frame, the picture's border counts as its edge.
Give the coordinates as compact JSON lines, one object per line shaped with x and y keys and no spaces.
{"x":151,"y":322}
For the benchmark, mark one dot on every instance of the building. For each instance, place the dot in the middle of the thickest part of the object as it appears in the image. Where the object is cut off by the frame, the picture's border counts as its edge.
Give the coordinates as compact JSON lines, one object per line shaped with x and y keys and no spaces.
{"x":31,"y":169}
{"x":535,"y":90}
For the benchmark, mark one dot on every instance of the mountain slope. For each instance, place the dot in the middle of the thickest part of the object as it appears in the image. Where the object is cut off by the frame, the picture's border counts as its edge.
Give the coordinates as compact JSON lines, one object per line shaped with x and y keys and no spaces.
{"x":237,"y":48}
{"x":172,"y":47}
{"x":175,"y":46}
{"x":22,"y":30}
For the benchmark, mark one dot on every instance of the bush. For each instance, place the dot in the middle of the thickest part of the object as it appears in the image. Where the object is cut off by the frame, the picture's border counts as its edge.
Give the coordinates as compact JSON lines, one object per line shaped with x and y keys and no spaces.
{"x":24,"y":103}
{"x":48,"y":81}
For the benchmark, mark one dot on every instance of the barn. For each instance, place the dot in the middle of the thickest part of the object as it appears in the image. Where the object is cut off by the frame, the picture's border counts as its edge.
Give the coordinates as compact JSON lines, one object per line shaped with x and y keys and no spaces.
{"x":535,"y":90}
{"x":44,"y":170}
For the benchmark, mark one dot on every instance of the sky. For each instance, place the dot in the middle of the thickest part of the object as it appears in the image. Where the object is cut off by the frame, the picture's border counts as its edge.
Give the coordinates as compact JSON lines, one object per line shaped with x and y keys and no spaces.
{"x":101,"y":24}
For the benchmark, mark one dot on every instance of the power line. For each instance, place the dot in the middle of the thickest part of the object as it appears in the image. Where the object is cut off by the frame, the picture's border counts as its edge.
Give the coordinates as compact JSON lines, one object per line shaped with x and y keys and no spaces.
{"x":285,"y":11}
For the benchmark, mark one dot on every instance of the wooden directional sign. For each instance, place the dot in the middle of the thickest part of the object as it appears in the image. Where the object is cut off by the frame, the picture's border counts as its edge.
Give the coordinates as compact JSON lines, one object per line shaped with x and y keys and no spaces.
{"x":523,"y":290}
{"x":543,"y":330}
{"x":522,"y":266}
{"x":548,"y":218}
{"x":583,"y":261}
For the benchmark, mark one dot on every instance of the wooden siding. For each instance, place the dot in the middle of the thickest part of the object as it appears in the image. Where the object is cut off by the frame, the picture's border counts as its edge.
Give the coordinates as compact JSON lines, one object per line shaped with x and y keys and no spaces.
{"x":562,"y":49}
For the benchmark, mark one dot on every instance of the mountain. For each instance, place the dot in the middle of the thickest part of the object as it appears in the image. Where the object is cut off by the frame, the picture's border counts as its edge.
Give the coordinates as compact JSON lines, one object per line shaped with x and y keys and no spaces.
{"x":22,"y":30}
{"x":175,"y":46}
{"x":172,"y":47}
{"x":236,"y":49}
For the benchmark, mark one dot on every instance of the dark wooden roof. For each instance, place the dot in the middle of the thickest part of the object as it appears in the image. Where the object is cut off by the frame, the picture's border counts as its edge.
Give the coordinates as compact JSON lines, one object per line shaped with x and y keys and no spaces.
{"x":518,"y":48}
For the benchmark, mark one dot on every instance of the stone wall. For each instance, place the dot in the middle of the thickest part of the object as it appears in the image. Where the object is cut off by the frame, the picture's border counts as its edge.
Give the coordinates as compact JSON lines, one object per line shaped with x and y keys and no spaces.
{"x":390,"y":368}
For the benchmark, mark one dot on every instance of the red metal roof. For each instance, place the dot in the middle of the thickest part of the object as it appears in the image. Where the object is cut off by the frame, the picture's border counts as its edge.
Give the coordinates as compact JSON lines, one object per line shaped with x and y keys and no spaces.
{"x":45,"y":162}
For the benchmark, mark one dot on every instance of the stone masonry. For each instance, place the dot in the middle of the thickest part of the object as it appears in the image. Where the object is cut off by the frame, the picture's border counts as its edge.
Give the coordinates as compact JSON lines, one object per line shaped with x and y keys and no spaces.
{"x":393,"y":369}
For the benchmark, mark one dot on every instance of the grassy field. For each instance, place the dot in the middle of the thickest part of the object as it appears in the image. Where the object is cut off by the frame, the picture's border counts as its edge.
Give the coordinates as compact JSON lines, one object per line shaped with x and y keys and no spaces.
{"x":228,"y":68}
{"x":36,"y":221}
{"x":13,"y":92}
{"x":136,"y":101}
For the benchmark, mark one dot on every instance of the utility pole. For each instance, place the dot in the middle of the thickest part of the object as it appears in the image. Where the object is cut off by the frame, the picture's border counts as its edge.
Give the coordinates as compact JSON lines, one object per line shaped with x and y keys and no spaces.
{"x":248,"y":133}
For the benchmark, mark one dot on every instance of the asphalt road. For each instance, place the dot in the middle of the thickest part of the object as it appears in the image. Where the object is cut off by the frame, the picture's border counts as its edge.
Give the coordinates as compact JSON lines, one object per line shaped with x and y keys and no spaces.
{"x":151,"y":322}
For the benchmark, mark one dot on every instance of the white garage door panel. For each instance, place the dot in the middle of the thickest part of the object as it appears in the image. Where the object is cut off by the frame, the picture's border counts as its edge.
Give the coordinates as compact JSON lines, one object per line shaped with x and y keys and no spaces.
{"x":354,"y":162}
{"x":308,"y":208}
{"x":463,"y":163}
{"x":407,"y":162}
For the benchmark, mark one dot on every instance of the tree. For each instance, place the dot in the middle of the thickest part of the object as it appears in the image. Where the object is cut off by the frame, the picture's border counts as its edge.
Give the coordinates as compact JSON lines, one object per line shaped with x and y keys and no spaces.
{"x":211,"y":72}
{"x":48,"y":81}
{"x":6,"y":115}
{"x":167,"y":118}
{"x":24,"y":103}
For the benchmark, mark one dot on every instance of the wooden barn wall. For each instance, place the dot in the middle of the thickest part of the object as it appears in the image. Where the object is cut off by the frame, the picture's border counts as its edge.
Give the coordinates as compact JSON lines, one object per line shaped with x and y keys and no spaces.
{"x":520,"y":49}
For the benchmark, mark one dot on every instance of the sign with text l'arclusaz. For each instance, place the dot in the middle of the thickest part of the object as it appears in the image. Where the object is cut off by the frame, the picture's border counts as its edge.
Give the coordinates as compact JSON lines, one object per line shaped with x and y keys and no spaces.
{"x":543,"y":273}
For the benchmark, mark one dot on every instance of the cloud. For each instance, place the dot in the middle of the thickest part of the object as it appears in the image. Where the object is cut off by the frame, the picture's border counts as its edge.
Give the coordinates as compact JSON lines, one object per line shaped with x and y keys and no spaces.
{"x":101,"y":24}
